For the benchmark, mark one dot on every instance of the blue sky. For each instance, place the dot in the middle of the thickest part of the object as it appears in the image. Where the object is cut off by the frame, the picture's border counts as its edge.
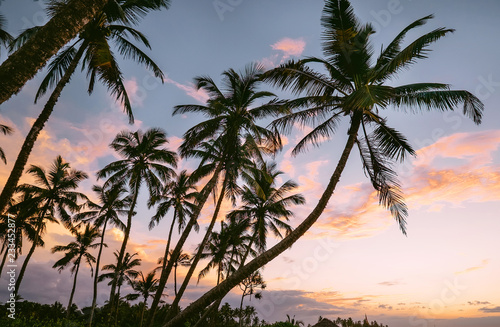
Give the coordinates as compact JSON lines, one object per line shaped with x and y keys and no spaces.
{"x":354,"y":261}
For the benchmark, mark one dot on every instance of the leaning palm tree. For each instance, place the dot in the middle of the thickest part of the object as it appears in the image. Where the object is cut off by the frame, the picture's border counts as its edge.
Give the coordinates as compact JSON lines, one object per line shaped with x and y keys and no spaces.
{"x":145,"y":287}
{"x":75,"y":252}
{"x":5,"y":130}
{"x":15,"y":71}
{"x":145,"y":160}
{"x":54,"y":193}
{"x":113,"y":202}
{"x":233,"y":111}
{"x":355,"y":88}
{"x":93,"y":49}
{"x":233,"y":128}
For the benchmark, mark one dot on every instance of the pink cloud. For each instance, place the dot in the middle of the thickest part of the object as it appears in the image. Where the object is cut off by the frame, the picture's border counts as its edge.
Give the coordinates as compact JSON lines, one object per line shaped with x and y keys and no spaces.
{"x":199,"y":95}
{"x":290,"y":47}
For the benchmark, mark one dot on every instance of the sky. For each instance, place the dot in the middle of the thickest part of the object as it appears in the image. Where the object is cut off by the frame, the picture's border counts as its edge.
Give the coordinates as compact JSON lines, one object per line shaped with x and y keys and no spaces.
{"x":355,"y":260}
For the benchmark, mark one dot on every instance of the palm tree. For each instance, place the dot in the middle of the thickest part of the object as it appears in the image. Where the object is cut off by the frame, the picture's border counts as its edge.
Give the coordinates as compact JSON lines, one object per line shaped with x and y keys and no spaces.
{"x":354,"y":89}
{"x":224,"y":247}
{"x":26,"y":217}
{"x":125,"y":272}
{"x":93,"y":46}
{"x":55,"y":194}
{"x":5,"y":130}
{"x":75,"y":252}
{"x":232,"y":127}
{"x":265,"y":206}
{"x":183,"y":260}
{"x":145,"y":287}
{"x":145,"y":160}
{"x":113,"y":204}
{"x":15,"y":71}
{"x":178,"y":194}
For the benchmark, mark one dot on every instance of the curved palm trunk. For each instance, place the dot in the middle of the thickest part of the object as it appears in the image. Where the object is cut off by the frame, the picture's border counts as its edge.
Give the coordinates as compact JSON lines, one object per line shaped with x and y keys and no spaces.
{"x":73,"y":289}
{"x":223,"y":288}
{"x":122,"y":250}
{"x":23,"y":64}
{"x":175,"y":278}
{"x":177,"y":250}
{"x":200,"y":251}
{"x":29,"y":142}
{"x":96,"y":276}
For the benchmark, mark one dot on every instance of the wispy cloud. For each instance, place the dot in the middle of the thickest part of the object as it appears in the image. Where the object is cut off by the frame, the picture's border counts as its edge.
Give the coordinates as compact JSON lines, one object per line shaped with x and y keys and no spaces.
{"x":199,"y":95}
{"x":483,"y":264}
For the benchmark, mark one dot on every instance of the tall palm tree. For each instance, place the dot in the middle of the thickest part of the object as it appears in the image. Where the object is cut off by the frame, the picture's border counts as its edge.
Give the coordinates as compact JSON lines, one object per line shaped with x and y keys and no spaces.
{"x":125,"y":272}
{"x":93,"y":49}
{"x":144,"y":160}
{"x":55,"y":193}
{"x":232,"y":111}
{"x":179,"y":194}
{"x":5,"y":130}
{"x":15,"y":71}
{"x":75,"y":252}
{"x":355,"y":89}
{"x":145,"y":287}
{"x":232,"y":125}
{"x":264,"y":206}
{"x":113,"y":203}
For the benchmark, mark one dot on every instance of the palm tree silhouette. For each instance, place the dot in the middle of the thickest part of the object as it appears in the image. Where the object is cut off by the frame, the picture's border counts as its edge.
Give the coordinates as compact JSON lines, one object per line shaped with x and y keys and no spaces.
{"x":55,"y":194}
{"x":75,"y":252}
{"x":113,"y":203}
{"x":144,"y":160}
{"x":354,"y":88}
{"x":93,"y":49}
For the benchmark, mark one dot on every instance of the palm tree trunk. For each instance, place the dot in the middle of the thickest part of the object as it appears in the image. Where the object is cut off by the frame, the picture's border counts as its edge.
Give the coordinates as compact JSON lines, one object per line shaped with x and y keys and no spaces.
{"x":29,"y":142}
{"x":96,"y":276}
{"x":175,"y":279}
{"x":73,"y":289}
{"x":215,"y":306}
{"x":123,"y":248}
{"x":23,"y":64}
{"x":142,"y":313}
{"x":233,"y":280}
{"x":117,"y":304}
{"x":177,"y":250}
{"x":248,"y":250}
{"x":200,"y":250}
{"x":241,"y":307}
{"x":4,"y":256}
{"x":33,"y":246}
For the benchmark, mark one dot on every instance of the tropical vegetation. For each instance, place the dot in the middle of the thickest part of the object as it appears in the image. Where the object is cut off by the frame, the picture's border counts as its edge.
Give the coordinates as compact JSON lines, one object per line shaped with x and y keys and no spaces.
{"x":233,"y":147}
